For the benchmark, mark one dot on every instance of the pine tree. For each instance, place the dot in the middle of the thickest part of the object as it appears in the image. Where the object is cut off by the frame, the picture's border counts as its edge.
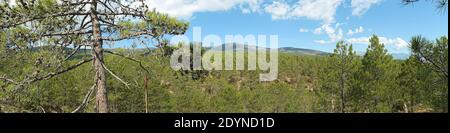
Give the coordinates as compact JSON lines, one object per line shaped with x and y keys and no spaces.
{"x":339,"y":74}
{"x":378,"y":74}
{"x":344,"y":57}
{"x":434,"y":57}
{"x":80,"y":23}
{"x":414,"y":81}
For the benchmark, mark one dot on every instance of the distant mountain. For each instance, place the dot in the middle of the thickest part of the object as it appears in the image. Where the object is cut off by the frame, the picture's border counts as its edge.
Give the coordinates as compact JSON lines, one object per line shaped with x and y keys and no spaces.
{"x":396,"y":56}
{"x":300,"y":51}
{"x":235,"y":47}
{"x":400,"y":56}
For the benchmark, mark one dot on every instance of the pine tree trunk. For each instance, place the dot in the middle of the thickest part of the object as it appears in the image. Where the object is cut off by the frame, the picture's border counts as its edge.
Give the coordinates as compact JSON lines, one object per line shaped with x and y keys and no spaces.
{"x":97,"y":53}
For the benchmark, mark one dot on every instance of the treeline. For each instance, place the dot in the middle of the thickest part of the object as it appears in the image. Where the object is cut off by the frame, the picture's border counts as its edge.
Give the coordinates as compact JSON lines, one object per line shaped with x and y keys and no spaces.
{"x":378,"y":83}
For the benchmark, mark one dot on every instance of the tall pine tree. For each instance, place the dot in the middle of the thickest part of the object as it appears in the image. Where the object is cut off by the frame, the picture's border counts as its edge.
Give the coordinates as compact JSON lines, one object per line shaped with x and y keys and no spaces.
{"x":378,"y":74}
{"x":61,"y":24}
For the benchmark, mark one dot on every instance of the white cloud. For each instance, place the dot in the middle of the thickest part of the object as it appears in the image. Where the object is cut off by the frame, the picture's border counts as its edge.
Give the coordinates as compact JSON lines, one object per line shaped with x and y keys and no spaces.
{"x":278,"y":10}
{"x":323,"y":10}
{"x":324,"y":28}
{"x":356,"y":31}
{"x":361,"y":6}
{"x":303,"y":30}
{"x":334,"y":33}
{"x":321,"y":41}
{"x":361,"y":40}
{"x":398,"y":42}
{"x":186,"y":8}
{"x":251,"y":6}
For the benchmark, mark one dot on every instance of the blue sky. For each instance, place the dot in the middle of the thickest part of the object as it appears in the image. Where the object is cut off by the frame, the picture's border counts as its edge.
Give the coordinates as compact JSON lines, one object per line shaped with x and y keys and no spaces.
{"x":313,"y":24}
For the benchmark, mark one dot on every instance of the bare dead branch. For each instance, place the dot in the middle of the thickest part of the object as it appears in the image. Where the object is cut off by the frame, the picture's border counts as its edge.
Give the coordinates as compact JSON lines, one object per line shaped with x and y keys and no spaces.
{"x":129,"y":58}
{"x":115,"y":76}
{"x":76,"y":32}
{"x":85,"y":100}
{"x":53,"y":74}
{"x":43,"y":110}
{"x":8,"y":80}
{"x":108,"y":23}
{"x":106,"y":6}
{"x":136,"y":34}
{"x":122,"y":14}
{"x":73,"y":53}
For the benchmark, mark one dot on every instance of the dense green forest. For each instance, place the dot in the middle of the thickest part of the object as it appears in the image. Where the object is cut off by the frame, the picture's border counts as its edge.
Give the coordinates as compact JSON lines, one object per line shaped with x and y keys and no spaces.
{"x":374,"y":82}
{"x":64,"y":77}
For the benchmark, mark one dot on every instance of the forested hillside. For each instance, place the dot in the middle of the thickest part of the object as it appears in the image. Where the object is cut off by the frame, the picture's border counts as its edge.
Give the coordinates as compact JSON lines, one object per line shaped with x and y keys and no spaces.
{"x":53,"y":59}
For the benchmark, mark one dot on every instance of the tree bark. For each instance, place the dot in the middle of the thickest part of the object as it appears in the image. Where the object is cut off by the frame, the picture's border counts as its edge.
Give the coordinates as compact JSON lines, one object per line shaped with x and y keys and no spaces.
{"x":97,"y":52}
